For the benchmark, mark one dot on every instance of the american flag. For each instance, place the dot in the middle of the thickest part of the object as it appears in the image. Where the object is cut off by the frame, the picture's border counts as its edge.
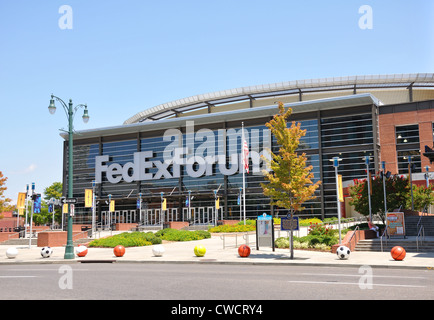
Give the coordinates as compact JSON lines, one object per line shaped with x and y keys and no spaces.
{"x":246,"y":156}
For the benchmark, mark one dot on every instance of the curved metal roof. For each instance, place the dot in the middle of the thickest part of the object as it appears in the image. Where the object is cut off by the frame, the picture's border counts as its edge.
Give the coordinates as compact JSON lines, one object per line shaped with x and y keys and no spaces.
{"x":173,"y":108}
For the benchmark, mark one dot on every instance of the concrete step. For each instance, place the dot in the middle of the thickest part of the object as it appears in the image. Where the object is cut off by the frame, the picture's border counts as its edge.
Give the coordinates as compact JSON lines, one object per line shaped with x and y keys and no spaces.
{"x":408,"y":245}
{"x":19,"y":242}
{"x":412,"y":228}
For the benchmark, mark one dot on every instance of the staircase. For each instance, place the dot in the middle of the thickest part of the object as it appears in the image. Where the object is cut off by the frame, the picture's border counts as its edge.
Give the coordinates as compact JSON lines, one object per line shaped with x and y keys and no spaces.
{"x":19,"y":242}
{"x":426,"y":221}
{"x":410,"y":242}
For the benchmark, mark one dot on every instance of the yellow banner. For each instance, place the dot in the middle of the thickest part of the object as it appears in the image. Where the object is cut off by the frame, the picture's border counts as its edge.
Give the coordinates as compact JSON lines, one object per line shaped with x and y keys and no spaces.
{"x":65,"y":208}
{"x":21,"y":202}
{"x":164,"y":204}
{"x":112,"y":206}
{"x":88,"y":196}
{"x":217,"y":204}
{"x":340,"y":189}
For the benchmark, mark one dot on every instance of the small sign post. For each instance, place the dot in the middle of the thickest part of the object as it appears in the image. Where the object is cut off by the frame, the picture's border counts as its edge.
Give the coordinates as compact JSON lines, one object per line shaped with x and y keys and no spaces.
{"x":286,"y":224}
{"x":395,"y":223}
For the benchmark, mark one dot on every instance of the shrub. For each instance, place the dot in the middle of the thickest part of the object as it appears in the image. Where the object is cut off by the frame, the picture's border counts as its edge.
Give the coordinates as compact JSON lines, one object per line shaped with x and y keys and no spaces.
{"x":319,"y":229}
{"x":134,"y":239}
{"x":308,"y":222}
{"x":248,"y":222}
{"x":139,"y":239}
{"x":282,"y":242}
{"x":182,"y":235}
{"x":233,"y":228}
{"x":322,"y":243}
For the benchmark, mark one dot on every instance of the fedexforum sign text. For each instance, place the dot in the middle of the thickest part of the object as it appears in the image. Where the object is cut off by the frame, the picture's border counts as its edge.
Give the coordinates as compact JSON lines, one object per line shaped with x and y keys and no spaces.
{"x":217,"y":151}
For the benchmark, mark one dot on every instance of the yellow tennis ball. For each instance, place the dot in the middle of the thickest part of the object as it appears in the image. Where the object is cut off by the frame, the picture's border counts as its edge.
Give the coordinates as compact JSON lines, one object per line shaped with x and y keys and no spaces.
{"x":199,"y":251}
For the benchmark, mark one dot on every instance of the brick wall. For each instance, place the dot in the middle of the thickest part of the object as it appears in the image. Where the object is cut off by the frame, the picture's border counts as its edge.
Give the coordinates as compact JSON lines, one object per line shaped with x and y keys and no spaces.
{"x":125,"y":226}
{"x":387,"y":123}
{"x":57,"y":238}
{"x":178,"y":224}
{"x":4,"y":236}
{"x":351,"y":244}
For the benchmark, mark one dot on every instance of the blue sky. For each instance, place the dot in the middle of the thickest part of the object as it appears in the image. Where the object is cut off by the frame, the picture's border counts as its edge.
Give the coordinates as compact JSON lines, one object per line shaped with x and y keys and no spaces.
{"x":121,"y":57}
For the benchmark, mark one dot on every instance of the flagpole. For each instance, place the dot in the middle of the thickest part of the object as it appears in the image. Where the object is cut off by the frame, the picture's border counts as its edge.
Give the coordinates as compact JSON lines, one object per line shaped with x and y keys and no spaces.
{"x":244,"y":177}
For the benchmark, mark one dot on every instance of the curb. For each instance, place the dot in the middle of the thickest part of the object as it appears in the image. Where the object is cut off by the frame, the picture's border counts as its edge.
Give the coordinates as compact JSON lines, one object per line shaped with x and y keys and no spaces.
{"x":216,"y":262}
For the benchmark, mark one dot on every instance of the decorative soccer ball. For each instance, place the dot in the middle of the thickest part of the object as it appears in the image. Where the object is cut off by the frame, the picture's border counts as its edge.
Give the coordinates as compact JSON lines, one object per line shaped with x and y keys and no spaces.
{"x":11,"y":253}
{"x":199,"y":251}
{"x":81,"y":251}
{"x":46,"y":252}
{"x":343,"y":252}
{"x":158,"y":250}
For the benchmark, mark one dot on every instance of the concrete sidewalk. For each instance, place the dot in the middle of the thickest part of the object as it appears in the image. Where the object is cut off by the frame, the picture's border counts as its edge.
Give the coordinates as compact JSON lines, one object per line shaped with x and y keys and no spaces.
{"x":183,"y":252}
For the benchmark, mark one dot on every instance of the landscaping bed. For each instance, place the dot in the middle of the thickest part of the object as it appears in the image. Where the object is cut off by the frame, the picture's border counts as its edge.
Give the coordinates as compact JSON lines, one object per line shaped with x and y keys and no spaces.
{"x":140,"y":239}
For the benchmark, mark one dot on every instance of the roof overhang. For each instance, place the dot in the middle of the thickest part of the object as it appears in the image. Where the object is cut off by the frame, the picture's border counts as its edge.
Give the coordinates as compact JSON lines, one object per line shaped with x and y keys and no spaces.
{"x":171,"y":109}
{"x":237,"y":115}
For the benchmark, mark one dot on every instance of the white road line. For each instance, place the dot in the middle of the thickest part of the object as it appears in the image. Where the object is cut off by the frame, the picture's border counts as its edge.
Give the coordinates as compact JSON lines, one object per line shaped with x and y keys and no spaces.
{"x":357,"y":275}
{"x":18,"y":276}
{"x":357,"y":284}
{"x":54,"y":269}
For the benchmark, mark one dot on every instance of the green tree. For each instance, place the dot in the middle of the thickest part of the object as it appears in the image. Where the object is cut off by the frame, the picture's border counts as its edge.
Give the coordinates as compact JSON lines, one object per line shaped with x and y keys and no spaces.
{"x":397,"y":195}
{"x":422,"y":197}
{"x":290,"y":180}
{"x":54,"y":191}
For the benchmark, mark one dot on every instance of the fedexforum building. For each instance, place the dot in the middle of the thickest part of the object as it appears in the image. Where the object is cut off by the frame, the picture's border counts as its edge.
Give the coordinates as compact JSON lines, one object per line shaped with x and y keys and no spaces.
{"x":188,"y":151}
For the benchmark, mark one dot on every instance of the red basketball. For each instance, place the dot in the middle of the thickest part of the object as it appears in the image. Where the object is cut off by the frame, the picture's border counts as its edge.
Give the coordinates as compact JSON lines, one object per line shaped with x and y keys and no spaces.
{"x":398,"y":253}
{"x":244,"y":251}
{"x":119,"y":251}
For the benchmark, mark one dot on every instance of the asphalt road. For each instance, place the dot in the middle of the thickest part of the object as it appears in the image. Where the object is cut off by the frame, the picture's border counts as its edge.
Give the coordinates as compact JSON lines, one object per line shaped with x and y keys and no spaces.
{"x":181,"y":282}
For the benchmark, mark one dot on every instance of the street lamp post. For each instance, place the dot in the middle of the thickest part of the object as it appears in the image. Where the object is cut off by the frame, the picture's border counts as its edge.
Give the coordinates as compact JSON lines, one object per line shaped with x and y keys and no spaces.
{"x":383,"y":166}
{"x":369,"y":186}
{"x":410,"y":168}
{"x":335,"y":161}
{"x":428,"y":209}
{"x":70,"y":112}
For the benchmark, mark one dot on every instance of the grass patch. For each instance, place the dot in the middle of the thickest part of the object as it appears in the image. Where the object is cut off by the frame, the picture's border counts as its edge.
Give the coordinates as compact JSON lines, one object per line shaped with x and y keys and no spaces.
{"x":127,"y":239}
{"x":233,"y":228}
{"x":140,"y":239}
{"x":182,"y":235}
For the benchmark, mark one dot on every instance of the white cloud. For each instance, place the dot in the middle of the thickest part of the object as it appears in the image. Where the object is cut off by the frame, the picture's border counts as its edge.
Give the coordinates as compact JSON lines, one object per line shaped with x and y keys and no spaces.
{"x":32,"y":167}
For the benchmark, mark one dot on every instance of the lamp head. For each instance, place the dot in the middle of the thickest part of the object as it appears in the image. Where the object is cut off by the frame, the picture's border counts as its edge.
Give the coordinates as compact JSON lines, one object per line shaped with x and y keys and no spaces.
{"x":52,"y":106}
{"x":85,"y":115}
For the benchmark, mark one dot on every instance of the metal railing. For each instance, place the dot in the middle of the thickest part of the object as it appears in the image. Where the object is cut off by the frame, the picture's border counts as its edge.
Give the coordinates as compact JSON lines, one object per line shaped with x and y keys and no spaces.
{"x":386,"y":235}
{"x":245,"y":236}
{"x":354,"y":234}
{"x":421,"y":234}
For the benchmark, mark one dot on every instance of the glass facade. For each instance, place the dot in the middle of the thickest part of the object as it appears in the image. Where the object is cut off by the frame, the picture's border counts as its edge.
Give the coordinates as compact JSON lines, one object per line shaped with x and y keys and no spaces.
{"x":349,"y":135}
{"x":407,"y":145}
{"x":351,"y":139}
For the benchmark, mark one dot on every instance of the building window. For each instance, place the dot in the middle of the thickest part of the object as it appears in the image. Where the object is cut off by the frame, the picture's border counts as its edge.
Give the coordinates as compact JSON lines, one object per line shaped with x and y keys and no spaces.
{"x":407,"y":145}
{"x":407,"y":134}
{"x":403,"y":157}
{"x":346,"y":131}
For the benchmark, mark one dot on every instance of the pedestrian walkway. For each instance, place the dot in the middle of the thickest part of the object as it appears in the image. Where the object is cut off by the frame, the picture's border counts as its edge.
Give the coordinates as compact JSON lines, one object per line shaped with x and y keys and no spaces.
{"x":183,"y":252}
